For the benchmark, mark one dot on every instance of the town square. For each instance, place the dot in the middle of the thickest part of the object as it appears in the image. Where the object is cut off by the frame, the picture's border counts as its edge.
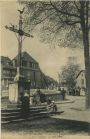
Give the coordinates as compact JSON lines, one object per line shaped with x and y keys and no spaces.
{"x":45,"y":68}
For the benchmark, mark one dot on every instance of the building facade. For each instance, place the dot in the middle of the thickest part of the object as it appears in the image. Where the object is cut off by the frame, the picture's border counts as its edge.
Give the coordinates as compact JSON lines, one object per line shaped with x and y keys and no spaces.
{"x":80,"y":79}
{"x":8,"y":72}
{"x":29,"y":69}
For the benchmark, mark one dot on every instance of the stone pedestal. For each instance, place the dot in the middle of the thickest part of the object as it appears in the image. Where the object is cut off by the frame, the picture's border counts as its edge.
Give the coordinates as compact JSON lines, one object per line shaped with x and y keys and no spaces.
{"x":17,"y":89}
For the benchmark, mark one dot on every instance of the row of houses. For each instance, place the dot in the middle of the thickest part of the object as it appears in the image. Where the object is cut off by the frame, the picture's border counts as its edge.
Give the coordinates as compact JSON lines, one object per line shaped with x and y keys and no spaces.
{"x":29,"y":69}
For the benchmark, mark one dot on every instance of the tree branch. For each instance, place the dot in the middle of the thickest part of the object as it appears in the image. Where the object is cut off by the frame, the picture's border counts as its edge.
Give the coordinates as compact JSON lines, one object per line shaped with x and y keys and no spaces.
{"x":76,"y":6}
{"x":40,"y":21}
{"x":72,"y":22}
{"x":63,"y":12}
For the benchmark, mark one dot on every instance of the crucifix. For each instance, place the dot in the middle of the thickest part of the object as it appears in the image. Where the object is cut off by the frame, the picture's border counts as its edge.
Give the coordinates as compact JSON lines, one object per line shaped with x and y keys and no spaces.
{"x":20,"y":33}
{"x":20,"y":85}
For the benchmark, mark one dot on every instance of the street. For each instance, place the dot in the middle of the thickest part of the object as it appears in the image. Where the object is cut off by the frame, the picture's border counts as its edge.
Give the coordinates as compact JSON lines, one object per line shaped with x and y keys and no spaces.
{"x":73,"y":121}
{"x":74,"y":110}
{"x":45,"y":82}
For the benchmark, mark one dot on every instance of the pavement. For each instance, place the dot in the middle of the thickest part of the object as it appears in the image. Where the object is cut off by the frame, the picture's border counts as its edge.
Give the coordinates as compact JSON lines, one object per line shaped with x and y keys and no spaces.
{"x":73,"y":121}
{"x":69,"y":99}
{"x":74,"y":109}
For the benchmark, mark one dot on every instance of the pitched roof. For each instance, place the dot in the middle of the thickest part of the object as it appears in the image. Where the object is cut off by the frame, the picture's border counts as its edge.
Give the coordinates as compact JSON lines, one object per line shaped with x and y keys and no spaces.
{"x":6,"y":59}
{"x":26,"y":57}
{"x":80,"y":73}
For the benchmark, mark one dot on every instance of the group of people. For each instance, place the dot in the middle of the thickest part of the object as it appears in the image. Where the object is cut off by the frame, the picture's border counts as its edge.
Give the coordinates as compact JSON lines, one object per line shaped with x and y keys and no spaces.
{"x":76,"y":91}
{"x":72,"y":91}
{"x":40,"y":97}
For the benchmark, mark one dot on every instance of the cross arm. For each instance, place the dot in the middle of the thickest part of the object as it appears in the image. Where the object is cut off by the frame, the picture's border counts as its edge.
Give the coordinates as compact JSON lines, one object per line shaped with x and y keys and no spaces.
{"x":20,"y":32}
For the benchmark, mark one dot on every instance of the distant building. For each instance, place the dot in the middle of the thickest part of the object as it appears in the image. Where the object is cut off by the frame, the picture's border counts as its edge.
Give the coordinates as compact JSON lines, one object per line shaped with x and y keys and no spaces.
{"x":30,"y":69}
{"x":8,"y":72}
{"x":80,"y":79}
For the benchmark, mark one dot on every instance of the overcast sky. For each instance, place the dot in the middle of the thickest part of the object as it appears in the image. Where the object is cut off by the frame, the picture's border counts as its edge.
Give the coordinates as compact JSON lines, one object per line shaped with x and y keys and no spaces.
{"x":50,"y":60}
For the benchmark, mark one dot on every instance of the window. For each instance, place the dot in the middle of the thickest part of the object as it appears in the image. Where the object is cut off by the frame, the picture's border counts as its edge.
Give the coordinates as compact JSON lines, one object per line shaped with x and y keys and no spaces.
{"x":4,"y":72}
{"x":28,"y":73}
{"x":36,"y":65}
{"x":24,"y":63}
{"x":33,"y":65}
{"x":34,"y":75}
{"x":8,"y":63}
{"x":82,"y":81}
{"x":2,"y":82}
{"x":5,"y":82}
{"x":30,"y":64}
{"x":2,"y":62}
{"x":34,"y":84}
{"x":14,"y":63}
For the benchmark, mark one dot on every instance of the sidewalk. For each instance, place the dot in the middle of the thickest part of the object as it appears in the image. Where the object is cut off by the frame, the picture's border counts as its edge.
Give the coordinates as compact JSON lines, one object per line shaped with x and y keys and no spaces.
{"x":83,"y":116}
{"x":69,"y":99}
{"x":74,"y":109}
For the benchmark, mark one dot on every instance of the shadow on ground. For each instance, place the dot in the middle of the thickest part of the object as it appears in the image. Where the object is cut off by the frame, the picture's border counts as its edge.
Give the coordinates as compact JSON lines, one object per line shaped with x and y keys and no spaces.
{"x":48,"y":125}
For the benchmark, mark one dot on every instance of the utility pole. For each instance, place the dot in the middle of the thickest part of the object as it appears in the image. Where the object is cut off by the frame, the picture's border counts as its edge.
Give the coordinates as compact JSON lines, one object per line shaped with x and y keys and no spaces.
{"x":20,"y":33}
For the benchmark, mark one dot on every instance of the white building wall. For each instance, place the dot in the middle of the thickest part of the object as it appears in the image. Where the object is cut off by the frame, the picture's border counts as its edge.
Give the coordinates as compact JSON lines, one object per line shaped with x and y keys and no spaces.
{"x":81,"y":81}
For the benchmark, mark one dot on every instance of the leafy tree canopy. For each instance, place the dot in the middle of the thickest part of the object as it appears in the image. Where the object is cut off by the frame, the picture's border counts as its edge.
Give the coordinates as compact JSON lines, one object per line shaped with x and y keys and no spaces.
{"x":58,"y":21}
{"x":69,"y":73}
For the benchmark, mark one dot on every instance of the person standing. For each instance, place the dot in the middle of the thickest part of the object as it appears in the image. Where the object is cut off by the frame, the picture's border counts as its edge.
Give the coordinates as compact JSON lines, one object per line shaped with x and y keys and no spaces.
{"x":63,"y":93}
{"x":25,"y":106}
{"x":73,"y":90}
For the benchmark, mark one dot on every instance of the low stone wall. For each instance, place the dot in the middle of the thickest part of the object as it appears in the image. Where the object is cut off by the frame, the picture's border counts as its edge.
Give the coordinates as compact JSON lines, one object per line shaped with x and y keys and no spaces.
{"x":55,"y":97}
{"x":52,"y":94}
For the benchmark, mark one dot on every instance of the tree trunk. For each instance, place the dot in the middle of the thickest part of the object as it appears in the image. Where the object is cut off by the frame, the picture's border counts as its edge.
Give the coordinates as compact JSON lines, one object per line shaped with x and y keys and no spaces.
{"x":85,"y":32}
{"x":87,"y":67}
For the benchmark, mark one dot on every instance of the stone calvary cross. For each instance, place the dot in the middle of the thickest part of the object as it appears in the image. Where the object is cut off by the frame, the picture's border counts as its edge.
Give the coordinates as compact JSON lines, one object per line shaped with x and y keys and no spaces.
{"x":20,"y":33}
{"x":20,"y":85}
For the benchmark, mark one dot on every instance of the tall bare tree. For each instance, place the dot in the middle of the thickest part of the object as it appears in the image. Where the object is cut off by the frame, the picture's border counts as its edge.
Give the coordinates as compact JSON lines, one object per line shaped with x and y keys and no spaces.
{"x":70,"y":17}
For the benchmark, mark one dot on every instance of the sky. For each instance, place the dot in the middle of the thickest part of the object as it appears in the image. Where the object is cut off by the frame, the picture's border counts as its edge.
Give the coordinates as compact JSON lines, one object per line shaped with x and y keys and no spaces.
{"x":50,"y":59}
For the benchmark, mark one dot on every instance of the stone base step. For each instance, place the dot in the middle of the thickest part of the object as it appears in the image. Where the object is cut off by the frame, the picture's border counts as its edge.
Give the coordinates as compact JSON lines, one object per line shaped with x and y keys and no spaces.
{"x":9,"y":114}
{"x":30,"y":118}
{"x":10,"y":110}
{"x":14,"y":114}
{"x":9,"y":118}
